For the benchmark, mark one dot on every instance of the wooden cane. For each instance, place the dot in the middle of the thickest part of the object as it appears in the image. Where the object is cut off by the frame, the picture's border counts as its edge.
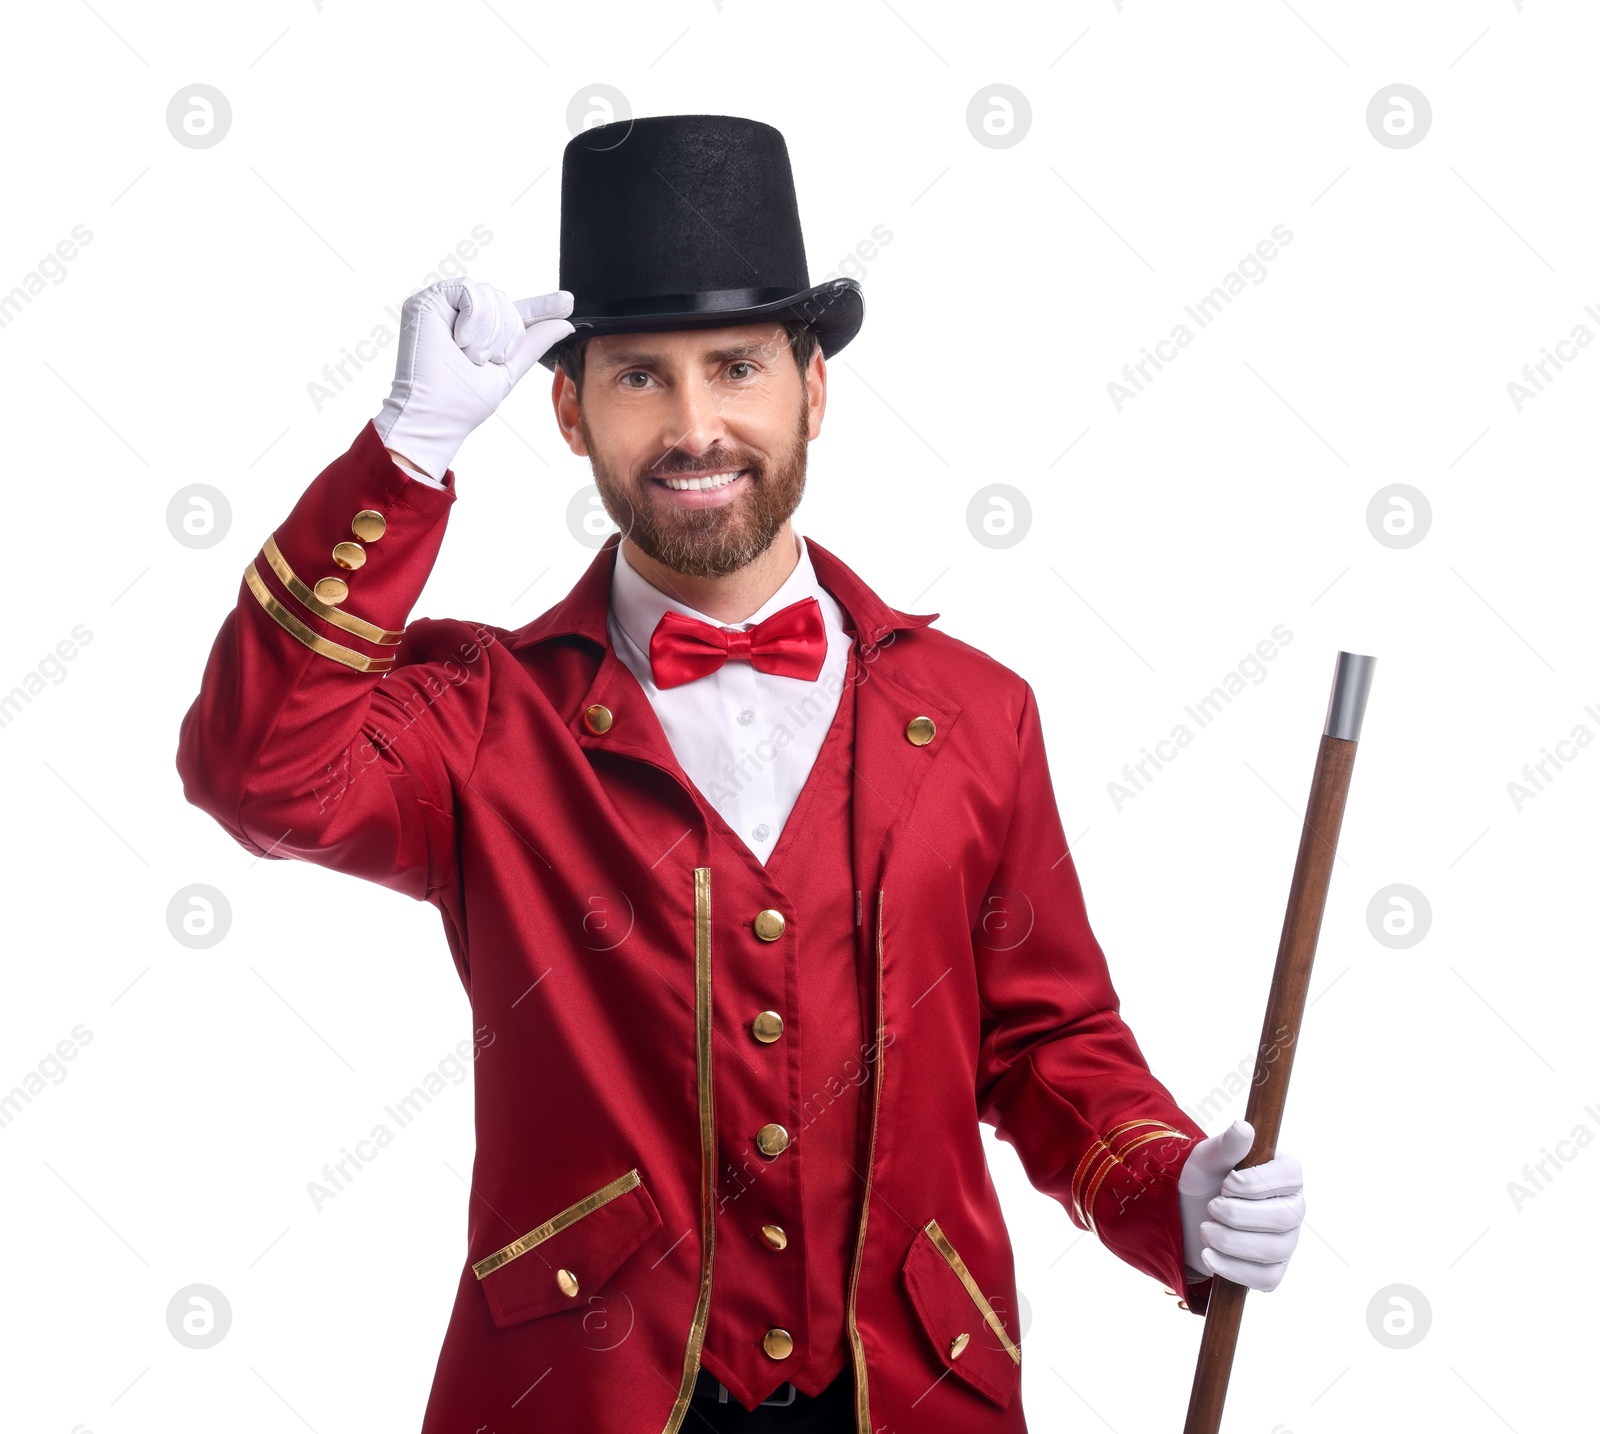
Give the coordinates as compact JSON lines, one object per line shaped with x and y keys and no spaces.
{"x":1286,"y":1004}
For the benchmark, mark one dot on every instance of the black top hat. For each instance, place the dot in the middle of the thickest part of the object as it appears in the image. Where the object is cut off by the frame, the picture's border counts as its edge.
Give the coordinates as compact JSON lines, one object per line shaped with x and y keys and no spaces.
{"x":689,"y":222}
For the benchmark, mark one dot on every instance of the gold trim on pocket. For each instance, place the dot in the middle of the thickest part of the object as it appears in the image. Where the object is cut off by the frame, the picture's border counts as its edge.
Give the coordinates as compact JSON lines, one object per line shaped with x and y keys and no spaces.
{"x":956,"y":1263}
{"x":557,"y":1223}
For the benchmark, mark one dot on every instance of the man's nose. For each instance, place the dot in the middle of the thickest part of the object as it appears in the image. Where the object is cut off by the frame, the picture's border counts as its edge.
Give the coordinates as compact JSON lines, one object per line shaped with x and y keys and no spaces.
{"x":693,"y":423}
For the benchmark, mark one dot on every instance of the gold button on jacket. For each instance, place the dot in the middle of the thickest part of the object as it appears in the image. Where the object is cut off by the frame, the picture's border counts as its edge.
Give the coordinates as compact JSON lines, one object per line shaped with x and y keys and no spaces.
{"x":769,"y":924}
{"x":331,"y":590}
{"x":772,"y":1139}
{"x":568,"y":1283}
{"x":767,"y":1027}
{"x":958,"y":1344}
{"x":779,"y":1343}
{"x":919,"y":731}
{"x":776,"y":1236}
{"x":349,"y":556}
{"x":369,"y":525}
{"x":597,"y":719}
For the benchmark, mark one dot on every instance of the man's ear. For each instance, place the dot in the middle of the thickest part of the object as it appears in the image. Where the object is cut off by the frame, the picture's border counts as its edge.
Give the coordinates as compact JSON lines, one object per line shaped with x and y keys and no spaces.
{"x":564,"y":396}
{"x":816,"y":393}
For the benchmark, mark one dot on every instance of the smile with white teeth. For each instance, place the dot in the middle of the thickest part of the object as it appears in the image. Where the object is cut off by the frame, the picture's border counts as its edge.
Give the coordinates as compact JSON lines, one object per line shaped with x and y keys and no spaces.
{"x":702,"y":482}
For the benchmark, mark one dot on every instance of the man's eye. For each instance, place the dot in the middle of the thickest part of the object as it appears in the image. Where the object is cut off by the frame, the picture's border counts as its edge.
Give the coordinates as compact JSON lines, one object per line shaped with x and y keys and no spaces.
{"x":740,"y":369}
{"x":627,"y":380}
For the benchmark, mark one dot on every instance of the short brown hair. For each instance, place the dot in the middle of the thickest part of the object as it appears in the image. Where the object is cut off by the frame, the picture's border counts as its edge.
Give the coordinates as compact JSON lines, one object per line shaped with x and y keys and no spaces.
{"x":802,"y":339}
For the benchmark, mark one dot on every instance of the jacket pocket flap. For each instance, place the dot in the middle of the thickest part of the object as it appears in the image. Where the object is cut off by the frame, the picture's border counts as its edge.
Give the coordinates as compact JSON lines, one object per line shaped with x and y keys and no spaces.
{"x":572,"y":1253}
{"x":967,"y":1335}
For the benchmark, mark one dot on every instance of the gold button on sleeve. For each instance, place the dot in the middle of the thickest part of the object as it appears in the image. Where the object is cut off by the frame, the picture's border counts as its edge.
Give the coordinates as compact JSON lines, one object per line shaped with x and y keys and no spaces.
{"x":919,"y":731}
{"x":331,"y":590}
{"x":597,"y":719}
{"x":769,"y":924}
{"x":349,"y":556}
{"x":779,"y":1343}
{"x":369,"y":525}
{"x":324,"y":607}
{"x":568,"y":1283}
{"x":772,"y":1139}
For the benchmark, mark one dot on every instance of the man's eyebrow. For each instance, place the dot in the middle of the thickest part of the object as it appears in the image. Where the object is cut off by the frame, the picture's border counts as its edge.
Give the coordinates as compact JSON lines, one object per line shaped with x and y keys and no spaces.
{"x":738,"y":351}
{"x":623,"y":360}
{"x":644,"y":359}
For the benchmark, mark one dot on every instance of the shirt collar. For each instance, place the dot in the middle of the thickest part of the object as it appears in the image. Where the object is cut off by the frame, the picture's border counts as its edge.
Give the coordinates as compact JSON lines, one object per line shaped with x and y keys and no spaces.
{"x":637,"y":605}
{"x":584,"y":610}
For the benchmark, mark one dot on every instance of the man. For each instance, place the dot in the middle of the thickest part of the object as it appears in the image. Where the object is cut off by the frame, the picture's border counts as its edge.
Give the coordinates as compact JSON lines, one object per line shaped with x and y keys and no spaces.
{"x":755,"y":883}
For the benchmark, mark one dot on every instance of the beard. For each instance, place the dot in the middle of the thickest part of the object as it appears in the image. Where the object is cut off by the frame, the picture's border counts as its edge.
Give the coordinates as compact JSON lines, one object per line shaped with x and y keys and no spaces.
{"x":705,"y":542}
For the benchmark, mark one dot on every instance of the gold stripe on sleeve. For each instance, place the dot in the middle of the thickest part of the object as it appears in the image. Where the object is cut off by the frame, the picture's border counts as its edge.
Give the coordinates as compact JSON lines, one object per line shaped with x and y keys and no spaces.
{"x":296,"y":629}
{"x":340,"y":619}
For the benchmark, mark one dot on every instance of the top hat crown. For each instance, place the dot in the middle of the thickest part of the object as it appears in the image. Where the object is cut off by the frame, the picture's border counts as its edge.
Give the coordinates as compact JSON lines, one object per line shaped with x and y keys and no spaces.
{"x":689,"y":222}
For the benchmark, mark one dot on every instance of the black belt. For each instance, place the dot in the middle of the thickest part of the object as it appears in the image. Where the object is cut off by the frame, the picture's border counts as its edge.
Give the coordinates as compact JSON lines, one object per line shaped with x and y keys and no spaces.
{"x":708,"y":1386}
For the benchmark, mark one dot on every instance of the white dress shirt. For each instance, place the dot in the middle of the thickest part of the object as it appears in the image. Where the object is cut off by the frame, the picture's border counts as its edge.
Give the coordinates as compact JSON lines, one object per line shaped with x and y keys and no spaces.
{"x":746,"y":739}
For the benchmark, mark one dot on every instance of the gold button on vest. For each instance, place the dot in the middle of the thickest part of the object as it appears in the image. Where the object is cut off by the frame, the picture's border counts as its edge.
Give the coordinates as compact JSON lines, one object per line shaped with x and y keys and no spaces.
{"x":779,"y":1343}
{"x":775,"y":1236}
{"x":919,"y":731}
{"x":597,"y":719}
{"x":769,"y":924}
{"x":767,"y":1027}
{"x":772,"y":1139}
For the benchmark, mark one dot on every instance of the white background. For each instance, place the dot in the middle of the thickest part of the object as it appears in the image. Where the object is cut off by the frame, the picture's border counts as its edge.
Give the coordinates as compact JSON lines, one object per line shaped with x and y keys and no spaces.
{"x":1228,"y":497}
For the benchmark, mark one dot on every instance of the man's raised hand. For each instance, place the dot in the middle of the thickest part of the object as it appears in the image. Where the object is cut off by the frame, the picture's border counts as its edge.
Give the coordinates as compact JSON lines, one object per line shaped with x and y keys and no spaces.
{"x":463,"y":348}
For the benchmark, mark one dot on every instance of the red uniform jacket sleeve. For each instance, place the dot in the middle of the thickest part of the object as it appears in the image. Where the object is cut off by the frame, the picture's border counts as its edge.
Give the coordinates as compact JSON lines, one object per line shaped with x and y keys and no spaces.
{"x":1060,"y":1076}
{"x":318,"y":733}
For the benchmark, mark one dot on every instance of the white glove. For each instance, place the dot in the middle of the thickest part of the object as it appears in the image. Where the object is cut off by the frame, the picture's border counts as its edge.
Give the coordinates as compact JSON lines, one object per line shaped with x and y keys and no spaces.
{"x":463,"y":346}
{"x":1255,"y":1213}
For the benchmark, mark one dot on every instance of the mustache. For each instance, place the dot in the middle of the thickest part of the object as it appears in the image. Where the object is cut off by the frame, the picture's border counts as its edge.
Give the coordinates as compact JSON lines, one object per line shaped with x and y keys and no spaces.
{"x":674,"y":464}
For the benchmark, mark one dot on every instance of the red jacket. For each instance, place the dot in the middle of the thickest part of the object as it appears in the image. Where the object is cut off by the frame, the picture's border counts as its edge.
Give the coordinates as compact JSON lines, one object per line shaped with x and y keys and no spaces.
{"x":521,"y":783}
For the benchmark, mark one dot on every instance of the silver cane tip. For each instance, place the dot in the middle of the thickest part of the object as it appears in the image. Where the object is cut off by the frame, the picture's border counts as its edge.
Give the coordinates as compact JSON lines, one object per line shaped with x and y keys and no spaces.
{"x":1347,"y":703}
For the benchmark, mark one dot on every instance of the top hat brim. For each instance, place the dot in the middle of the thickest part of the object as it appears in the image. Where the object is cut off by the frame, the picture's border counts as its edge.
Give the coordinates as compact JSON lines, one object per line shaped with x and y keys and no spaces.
{"x":834,"y":310}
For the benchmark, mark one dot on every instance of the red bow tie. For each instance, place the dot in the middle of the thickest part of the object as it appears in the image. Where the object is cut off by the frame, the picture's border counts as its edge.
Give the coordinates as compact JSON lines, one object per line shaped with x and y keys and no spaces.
{"x":791,"y":643}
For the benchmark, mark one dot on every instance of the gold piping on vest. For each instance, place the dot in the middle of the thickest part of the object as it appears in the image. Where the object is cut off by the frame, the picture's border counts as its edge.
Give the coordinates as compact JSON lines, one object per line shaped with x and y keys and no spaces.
{"x":959,"y":1265}
{"x":857,"y":1352}
{"x":556,"y":1223}
{"x":708,"y":1168}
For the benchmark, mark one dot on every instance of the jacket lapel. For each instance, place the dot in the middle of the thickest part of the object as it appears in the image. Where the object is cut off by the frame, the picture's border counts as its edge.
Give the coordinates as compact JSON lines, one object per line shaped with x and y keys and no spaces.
{"x":889,"y":767}
{"x":635,"y":729}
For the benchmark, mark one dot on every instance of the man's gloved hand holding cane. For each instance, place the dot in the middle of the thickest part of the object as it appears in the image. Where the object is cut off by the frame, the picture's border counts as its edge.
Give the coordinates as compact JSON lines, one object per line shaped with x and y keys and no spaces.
{"x":1240,"y":1224}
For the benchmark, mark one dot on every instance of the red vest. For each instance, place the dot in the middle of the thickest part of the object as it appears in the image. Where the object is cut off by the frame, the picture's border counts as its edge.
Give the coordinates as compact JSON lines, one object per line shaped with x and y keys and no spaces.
{"x":806,"y":1198}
